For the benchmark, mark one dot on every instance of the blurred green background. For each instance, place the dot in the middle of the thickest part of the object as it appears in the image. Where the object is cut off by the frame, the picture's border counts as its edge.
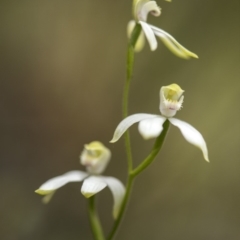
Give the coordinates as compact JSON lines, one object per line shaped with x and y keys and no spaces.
{"x":62,"y":74}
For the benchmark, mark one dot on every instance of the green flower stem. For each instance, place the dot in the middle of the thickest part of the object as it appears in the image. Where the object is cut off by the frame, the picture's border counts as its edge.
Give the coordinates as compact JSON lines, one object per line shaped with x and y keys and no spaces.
{"x":130,"y":61}
{"x":156,"y":148}
{"x":123,"y":207}
{"x":94,"y":220}
{"x":132,"y":174}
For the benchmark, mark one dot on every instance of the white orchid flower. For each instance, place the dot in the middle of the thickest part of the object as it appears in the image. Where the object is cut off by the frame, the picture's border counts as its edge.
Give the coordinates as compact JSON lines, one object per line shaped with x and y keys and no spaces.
{"x":141,"y":9}
{"x":95,"y":157}
{"x":150,"y":126}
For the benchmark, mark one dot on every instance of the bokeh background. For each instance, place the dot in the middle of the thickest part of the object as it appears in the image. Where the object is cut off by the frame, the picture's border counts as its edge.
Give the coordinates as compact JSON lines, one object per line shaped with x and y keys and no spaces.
{"x":62,"y":69}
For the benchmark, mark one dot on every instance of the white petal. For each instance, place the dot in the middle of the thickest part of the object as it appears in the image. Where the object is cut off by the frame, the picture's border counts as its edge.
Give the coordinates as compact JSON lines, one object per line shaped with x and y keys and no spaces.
{"x":128,"y":122}
{"x":192,"y":135}
{"x":118,"y":192}
{"x":151,"y":128}
{"x":150,"y":6}
{"x":172,"y":44}
{"x":92,"y":185}
{"x":53,"y":184}
{"x":149,"y":35}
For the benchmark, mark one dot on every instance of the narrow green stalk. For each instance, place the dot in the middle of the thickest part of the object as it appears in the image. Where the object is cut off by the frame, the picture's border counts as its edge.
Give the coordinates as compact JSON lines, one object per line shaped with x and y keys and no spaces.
{"x":156,"y":148}
{"x":123,"y":207}
{"x":94,"y":220}
{"x":130,"y":61}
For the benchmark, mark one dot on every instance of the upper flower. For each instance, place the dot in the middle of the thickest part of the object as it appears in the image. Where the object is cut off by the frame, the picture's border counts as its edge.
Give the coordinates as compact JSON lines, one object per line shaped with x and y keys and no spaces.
{"x":95,"y":157}
{"x":151,"y":126}
{"x":141,"y":9}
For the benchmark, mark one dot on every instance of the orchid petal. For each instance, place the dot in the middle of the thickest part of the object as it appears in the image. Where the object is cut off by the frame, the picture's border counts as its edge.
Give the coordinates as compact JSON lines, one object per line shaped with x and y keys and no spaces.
{"x":118,"y":192}
{"x":128,"y":122}
{"x":53,"y":184}
{"x":92,"y":185}
{"x":149,"y":35}
{"x":172,"y":44}
{"x":149,"y":7}
{"x":192,"y":135}
{"x":152,"y":127}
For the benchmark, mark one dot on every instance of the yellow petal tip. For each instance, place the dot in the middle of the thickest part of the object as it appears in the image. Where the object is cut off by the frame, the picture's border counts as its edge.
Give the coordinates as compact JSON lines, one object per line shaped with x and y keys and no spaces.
{"x":87,"y":194}
{"x":42,"y":192}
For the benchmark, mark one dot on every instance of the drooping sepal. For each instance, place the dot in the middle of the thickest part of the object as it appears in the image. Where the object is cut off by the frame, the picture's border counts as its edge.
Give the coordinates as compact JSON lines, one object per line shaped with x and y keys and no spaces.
{"x":192,"y":135}
{"x":172,"y":44}
{"x":118,"y":191}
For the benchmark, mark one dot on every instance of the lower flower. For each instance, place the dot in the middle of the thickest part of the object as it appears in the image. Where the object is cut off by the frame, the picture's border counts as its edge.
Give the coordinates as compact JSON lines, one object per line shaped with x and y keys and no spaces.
{"x":95,"y":157}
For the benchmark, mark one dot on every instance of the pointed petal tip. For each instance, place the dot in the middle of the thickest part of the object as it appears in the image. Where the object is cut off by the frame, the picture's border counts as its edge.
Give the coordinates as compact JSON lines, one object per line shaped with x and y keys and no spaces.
{"x":194,"y":55}
{"x":87,"y":194}
{"x":153,"y":47}
{"x":189,"y":56}
{"x":92,"y":185}
{"x":42,"y":192}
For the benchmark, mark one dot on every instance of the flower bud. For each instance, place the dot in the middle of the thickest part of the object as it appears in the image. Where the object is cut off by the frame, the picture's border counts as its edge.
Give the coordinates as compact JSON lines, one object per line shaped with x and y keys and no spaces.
{"x":95,"y":157}
{"x":171,"y":100}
